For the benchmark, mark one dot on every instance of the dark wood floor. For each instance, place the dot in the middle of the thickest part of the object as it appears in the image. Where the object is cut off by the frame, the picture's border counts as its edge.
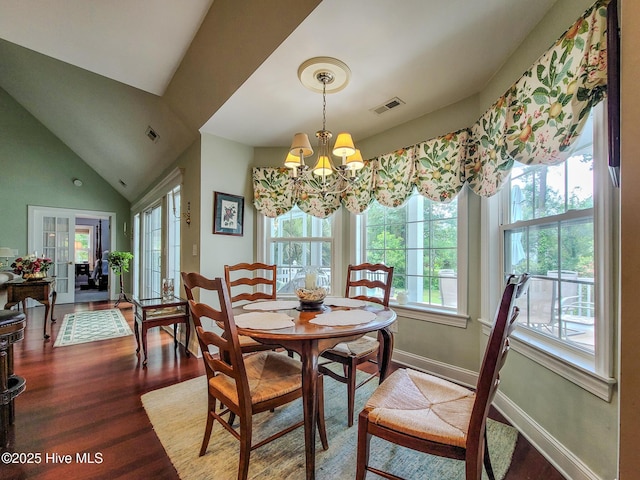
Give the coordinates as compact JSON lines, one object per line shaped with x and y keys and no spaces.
{"x":85,"y":400}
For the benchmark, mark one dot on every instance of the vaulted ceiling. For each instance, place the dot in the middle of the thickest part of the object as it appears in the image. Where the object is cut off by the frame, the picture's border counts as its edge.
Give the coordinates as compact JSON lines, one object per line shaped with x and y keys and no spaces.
{"x":99,"y":74}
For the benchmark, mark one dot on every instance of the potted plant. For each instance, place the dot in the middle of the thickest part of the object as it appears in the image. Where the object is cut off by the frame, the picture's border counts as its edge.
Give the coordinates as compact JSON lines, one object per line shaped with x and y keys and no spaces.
{"x":119,"y":263}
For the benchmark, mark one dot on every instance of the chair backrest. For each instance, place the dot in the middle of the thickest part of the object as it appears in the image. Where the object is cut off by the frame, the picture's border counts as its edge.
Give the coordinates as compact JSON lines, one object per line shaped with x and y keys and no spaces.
{"x":373,"y":276}
{"x":229,"y":361}
{"x":537,"y":305}
{"x":194,"y":280}
{"x":249,"y":276}
{"x":448,"y":288}
{"x":495,"y":355}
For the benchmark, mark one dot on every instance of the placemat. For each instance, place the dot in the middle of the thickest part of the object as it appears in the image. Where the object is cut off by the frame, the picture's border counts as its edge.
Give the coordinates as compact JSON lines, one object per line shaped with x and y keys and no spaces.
{"x":264,"y":320}
{"x":344,"y":317}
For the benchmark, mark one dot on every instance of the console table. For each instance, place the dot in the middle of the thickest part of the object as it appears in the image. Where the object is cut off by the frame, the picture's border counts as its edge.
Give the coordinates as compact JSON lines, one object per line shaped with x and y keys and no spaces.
{"x":158,"y":312}
{"x":19,"y":290}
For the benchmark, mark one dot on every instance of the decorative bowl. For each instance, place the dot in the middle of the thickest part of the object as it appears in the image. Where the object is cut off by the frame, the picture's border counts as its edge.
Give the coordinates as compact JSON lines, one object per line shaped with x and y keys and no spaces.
{"x":311,"y":299}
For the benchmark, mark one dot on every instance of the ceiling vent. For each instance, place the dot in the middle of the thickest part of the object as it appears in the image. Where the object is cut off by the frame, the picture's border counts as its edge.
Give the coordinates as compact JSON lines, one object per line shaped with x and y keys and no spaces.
{"x":388,"y":105}
{"x":152,"y":134}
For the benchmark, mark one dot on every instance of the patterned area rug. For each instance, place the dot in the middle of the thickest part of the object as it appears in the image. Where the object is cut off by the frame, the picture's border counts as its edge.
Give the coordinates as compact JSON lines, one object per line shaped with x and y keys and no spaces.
{"x":83,"y":327}
{"x":181,"y":436}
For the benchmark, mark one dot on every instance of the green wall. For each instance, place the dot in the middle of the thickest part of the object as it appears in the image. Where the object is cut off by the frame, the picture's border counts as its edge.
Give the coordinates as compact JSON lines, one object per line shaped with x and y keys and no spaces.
{"x":36,"y":168}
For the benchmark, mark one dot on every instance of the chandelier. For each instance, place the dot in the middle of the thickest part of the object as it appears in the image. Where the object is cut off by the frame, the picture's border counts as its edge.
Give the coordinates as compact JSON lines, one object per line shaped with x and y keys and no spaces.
{"x":326,"y":75}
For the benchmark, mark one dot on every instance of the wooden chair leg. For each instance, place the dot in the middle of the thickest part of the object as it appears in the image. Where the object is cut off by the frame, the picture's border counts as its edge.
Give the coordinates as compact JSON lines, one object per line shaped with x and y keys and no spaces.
{"x":246,"y":428}
{"x":487,"y":459}
{"x":351,"y":390}
{"x":207,"y":432}
{"x":364,"y":439}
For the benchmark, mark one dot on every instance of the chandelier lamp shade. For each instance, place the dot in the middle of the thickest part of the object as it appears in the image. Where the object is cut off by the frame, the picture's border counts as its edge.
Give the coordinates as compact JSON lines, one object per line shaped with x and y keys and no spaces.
{"x":326,"y":75}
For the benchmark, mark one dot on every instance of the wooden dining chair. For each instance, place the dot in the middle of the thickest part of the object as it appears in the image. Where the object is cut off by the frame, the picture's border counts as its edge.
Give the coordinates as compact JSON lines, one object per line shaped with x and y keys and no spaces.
{"x":194,"y":280}
{"x":245,"y":385}
{"x":436,"y":416}
{"x":376,"y":277}
{"x":243,"y":277}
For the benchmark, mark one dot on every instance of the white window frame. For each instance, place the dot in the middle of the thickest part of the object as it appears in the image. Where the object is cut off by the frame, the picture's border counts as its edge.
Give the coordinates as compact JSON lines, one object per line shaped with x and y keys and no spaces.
{"x":158,"y":195}
{"x":594,"y":373}
{"x":337,"y":283}
{"x":430,"y":313}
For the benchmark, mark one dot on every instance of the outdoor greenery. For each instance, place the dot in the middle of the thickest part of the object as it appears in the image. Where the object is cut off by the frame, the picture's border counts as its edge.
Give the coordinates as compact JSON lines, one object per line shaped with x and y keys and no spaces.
{"x":552,"y":191}
{"x":418,"y":239}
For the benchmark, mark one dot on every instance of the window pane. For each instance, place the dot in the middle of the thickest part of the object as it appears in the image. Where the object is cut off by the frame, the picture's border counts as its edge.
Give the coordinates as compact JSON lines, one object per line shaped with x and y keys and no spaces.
{"x":418,"y":239}
{"x":298,"y":240}
{"x":559,"y":254}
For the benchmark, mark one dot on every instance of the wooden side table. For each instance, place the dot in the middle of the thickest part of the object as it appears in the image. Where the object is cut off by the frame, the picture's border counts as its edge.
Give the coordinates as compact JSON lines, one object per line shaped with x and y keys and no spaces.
{"x":158,"y":312}
{"x":19,"y":290}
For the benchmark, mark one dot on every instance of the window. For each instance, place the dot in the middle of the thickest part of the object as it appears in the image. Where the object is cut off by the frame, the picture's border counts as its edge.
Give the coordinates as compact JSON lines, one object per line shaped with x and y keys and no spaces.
{"x":152,"y":252}
{"x":83,"y":244}
{"x":173,"y":237}
{"x":420,"y":240}
{"x":557,"y":226}
{"x":297,"y":240}
{"x":156,"y":237}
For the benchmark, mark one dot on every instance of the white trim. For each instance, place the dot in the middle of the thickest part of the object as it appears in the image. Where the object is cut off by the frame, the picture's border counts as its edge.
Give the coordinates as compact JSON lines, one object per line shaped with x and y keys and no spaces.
{"x":169,"y":182}
{"x":102,"y":215}
{"x":442,"y":318}
{"x":575,"y":369}
{"x":556,"y":453}
{"x":455,"y":374}
{"x":606,"y":221}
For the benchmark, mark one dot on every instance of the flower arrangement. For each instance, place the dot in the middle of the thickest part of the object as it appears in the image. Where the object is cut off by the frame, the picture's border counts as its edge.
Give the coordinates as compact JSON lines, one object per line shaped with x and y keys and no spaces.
{"x":30,"y":265}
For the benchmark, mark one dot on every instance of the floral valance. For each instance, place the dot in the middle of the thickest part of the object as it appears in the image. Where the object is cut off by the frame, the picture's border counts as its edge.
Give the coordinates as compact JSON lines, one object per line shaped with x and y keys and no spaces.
{"x":535,"y":122}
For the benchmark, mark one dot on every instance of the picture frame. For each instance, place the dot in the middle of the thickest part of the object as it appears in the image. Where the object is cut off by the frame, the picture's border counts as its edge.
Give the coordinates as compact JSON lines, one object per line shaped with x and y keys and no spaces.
{"x":228,"y":214}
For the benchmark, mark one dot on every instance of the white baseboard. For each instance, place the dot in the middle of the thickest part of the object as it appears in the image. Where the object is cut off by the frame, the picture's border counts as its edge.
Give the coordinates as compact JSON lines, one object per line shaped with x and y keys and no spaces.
{"x":556,"y":453}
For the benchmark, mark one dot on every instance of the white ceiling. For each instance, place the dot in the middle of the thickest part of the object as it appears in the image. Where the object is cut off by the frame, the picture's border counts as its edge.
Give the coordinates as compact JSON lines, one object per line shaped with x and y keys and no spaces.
{"x":140,"y":42}
{"x":429,"y":53}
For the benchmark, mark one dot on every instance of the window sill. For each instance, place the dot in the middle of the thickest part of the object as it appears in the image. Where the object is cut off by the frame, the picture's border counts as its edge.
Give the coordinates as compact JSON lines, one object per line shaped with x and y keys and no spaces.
{"x":442,"y":317}
{"x":561,"y":361}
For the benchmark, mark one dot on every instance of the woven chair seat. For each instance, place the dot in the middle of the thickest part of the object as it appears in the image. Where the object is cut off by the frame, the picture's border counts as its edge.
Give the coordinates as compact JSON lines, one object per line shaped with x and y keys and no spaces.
{"x":423,"y":406}
{"x":269,"y":374}
{"x":358,"y":348}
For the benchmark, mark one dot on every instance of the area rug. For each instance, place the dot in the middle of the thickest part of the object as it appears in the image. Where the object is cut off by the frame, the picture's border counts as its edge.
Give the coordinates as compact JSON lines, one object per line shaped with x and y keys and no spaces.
{"x":180,"y":431}
{"x":83,"y":327}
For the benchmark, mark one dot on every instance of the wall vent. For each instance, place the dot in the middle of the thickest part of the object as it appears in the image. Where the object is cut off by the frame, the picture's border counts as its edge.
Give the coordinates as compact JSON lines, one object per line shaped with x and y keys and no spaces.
{"x":152,"y":134}
{"x":388,"y":105}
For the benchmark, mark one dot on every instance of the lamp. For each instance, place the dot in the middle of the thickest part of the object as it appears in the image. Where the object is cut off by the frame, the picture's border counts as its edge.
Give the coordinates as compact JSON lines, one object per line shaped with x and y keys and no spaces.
{"x":5,"y":253}
{"x":326,"y":75}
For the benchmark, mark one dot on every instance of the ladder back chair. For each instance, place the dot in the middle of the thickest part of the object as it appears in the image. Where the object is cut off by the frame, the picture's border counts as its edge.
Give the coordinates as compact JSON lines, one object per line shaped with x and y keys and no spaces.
{"x":194,"y":280}
{"x":242,"y":277}
{"x":245,"y":385}
{"x":435,"y":416}
{"x":351,"y":354}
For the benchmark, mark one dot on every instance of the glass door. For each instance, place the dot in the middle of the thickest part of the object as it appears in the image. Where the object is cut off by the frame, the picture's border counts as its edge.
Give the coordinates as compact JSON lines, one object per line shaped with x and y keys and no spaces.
{"x":52,"y":238}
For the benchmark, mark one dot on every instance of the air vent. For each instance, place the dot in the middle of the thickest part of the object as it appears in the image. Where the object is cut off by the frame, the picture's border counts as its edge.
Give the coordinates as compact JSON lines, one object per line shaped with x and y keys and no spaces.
{"x":388,"y":105}
{"x":152,"y":134}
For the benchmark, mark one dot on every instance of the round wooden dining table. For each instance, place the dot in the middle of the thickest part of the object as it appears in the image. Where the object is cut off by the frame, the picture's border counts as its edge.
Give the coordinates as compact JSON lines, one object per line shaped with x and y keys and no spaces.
{"x":309,"y":340}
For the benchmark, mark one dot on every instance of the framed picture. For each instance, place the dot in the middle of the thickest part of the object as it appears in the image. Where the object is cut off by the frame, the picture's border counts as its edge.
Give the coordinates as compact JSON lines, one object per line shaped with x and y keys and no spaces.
{"x":228,"y":214}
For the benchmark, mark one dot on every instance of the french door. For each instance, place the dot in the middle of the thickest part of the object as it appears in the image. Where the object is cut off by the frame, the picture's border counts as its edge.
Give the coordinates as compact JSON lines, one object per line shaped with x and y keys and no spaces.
{"x":51,"y":233}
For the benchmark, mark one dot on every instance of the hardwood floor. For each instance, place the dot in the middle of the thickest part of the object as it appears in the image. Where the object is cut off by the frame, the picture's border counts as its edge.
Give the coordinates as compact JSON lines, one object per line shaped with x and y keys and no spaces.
{"x":85,"y":400}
